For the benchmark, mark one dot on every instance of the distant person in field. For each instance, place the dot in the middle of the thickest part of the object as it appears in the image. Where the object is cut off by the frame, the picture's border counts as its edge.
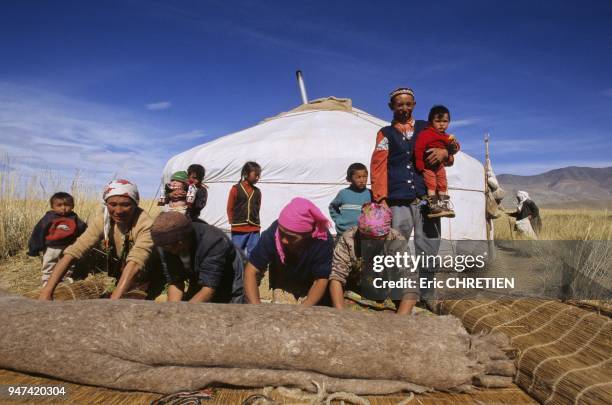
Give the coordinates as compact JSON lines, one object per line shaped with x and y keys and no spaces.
{"x":197,"y":195}
{"x":176,"y":193}
{"x":124,"y":232}
{"x":55,"y":231}
{"x":435,"y":137}
{"x":243,"y":205}
{"x":297,"y":249}
{"x":346,"y":207}
{"x":528,"y":221}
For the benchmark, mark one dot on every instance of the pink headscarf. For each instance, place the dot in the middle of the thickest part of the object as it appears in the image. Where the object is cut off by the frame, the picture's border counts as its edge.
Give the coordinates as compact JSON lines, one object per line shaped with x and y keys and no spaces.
{"x":375,"y":220}
{"x":301,"y":216}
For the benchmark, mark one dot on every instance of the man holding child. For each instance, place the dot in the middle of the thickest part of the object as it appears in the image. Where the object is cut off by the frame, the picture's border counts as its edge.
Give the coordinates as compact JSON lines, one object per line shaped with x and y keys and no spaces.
{"x":395,"y":180}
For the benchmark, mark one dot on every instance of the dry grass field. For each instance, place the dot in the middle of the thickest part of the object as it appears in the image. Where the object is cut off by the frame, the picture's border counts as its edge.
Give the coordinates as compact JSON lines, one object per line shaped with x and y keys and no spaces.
{"x":579,"y":242}
{"x":563,"y":224}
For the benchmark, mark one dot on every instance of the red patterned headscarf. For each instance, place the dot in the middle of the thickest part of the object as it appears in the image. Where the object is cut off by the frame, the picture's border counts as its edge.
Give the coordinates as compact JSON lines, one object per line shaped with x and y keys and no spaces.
{"x":119,"y":187}
{"x":375,"y":220}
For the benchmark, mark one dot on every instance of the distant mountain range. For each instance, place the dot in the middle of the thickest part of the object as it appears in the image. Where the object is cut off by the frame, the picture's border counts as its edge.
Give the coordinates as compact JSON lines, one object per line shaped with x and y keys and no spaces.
{"x":563,"y":188}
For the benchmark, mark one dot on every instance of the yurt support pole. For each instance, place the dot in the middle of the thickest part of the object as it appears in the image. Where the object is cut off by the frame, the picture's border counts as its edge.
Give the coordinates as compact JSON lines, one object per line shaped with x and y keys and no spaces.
{"x":487,"y":163}
{"x":300,"y":79}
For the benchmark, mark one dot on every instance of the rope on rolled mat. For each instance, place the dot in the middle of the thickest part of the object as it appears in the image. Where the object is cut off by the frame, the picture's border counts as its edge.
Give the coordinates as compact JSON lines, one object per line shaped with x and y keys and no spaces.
{"x":541,"y":345}
{"x":578,"y":350}
{"x":553,"y":389}
{"x":542,"y":326}
{"x":537,"y":307}
{"x":259,"y":399}
{"x":71,"y":292}
{"x":318,"y":398}
{"x":585,"y":389}
{"x":486,"y":304}
{"x":185,"y":398}
{"x":493,"y":313}
{"x":296,"y":393}
{"x":346,"y":397}
{"x":454,"y":304}
{"x":463,"y":314}
{"x":469,"y":308}
{"x":406,"y":400}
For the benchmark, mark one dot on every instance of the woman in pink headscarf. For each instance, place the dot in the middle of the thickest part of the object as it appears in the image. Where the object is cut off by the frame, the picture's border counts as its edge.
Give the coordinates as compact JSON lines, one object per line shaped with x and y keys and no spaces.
{"x":347,"y":267}
{"x":298,"y":250}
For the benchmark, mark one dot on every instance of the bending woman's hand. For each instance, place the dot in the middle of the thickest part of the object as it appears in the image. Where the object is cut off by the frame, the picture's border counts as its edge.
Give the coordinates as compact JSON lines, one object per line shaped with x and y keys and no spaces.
{"x":45,"y":295}
{"x":336,"y":291}
{"x":251,"y":289}
{"x":316,"y":292}
{"x":126,"y":280}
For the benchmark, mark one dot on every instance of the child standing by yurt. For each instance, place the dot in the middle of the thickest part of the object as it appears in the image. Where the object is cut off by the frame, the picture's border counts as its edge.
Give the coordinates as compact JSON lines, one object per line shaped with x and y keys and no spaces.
{"x":346,"y":207}
{"x":243,"y":204}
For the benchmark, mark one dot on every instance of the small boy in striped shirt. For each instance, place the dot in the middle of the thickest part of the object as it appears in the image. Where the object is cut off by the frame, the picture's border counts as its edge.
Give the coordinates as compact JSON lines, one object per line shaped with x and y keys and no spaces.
{"x":346,"y":207}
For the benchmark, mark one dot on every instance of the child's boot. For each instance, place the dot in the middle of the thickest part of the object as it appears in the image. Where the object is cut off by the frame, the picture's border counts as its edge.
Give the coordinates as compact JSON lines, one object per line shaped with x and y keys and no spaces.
{"x":446,"y":207}
{"x":434,"y":206}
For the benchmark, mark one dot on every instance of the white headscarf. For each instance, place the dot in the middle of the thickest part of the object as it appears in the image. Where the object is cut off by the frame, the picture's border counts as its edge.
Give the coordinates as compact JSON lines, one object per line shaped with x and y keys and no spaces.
{"x":522,"y":197}
{"x":120,"y":187}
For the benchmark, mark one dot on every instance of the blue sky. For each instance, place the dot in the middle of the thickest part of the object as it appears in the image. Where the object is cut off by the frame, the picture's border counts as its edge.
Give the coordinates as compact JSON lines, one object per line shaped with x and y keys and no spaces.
{"x":118,"y":87}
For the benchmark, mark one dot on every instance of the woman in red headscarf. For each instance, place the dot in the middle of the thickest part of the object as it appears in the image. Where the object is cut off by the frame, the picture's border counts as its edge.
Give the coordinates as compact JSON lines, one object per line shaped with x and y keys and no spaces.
{"x":298,"y":251}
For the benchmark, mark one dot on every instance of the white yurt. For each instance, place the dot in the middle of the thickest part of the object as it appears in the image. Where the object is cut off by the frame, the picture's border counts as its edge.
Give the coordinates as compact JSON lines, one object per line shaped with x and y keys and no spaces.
{"x":305,"y":152}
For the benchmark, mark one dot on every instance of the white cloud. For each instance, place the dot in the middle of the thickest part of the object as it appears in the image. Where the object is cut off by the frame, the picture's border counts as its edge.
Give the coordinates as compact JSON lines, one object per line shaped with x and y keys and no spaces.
{"x":161,"y":105}
{"x":41,"y":131}
{"x":463,"y":123}
{"x":188,"y":136}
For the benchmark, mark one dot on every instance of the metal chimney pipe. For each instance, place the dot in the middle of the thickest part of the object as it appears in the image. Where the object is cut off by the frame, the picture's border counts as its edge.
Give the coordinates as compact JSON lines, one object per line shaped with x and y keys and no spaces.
{"x":300,"y":80}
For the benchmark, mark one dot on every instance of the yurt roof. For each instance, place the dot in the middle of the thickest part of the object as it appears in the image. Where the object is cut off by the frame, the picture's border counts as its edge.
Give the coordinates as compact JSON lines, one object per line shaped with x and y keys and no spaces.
{"x":300,"y":145}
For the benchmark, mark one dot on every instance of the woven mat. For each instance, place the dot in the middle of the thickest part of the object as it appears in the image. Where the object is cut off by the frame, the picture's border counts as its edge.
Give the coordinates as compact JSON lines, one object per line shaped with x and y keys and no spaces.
{"x":564,"y":352}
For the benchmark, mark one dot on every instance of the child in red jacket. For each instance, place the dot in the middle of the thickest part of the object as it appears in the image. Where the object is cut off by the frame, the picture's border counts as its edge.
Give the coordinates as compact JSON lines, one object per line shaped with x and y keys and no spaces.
{"x":435,"y":136}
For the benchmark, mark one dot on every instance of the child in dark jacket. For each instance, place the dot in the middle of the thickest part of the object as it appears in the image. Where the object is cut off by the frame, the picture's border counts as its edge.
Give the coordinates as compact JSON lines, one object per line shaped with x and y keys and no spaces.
{"x":56,"y":230}
{"x":176,"y":193}
{"x":197,"y":195}
{"x":346,"y":207}
{"x":435,"y":136}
